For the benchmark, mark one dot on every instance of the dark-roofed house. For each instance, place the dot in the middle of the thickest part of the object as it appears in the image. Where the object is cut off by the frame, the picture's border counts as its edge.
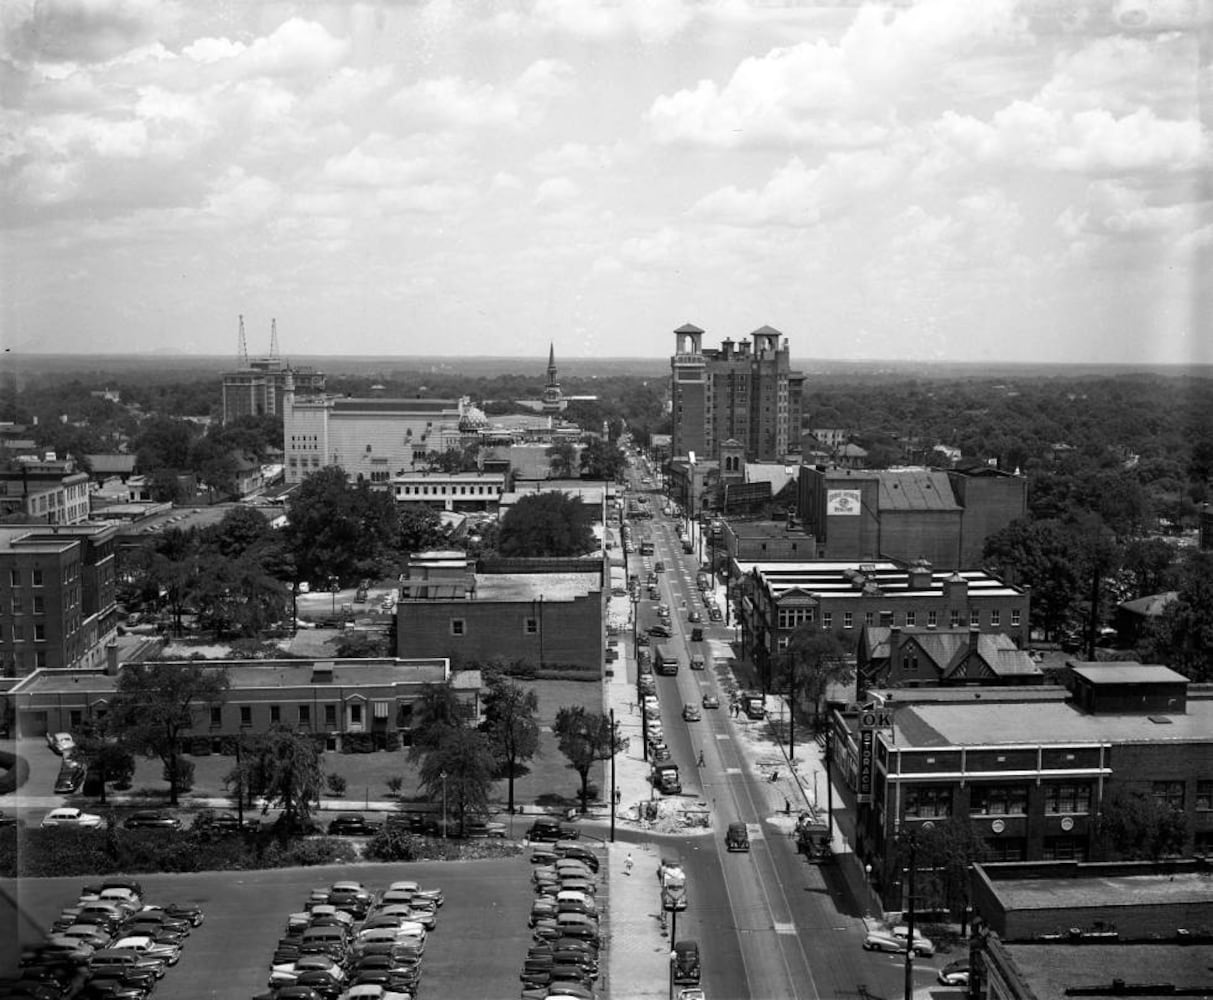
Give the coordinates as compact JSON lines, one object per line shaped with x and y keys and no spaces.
{"x":897,"y":657}
{"x":1134,"y":617}
{"x":1026,"y":771}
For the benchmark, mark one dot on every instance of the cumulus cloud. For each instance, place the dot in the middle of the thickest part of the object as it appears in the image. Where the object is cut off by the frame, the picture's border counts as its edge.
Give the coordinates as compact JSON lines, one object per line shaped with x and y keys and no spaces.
{"x":556,"y":192}
{"x":79,"y":31}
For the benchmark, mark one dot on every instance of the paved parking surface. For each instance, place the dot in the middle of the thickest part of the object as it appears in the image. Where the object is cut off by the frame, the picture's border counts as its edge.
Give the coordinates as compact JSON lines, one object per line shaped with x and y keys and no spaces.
{"x":475,"y":952}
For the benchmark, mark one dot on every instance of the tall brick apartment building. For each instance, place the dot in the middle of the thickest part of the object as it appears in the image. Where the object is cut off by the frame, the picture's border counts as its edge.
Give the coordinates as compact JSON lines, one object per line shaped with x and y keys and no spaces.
{"x":1030,"y":768}
{"x":57,"y":596}
{"x":744,"y":391}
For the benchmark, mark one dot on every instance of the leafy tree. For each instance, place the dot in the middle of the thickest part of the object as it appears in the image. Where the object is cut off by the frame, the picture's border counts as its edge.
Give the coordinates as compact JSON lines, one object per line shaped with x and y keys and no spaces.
{"x":460,"y":768}
{"x":602,"y":460}
{"x":546,"y":524}
{"x":585,"y":738}
{"x":105,"y":757}
{"x":338,"y":529}
{"x":163,"y":444}
{"x":943,"y":854}
{"x":813,"y":660}
{"x":1098,"y":557}
{"x":1132,"y":826}
{"x":436,"y":711}
{"x":420,"y":529}
{"x":1147,"y":563}
{"x":286,"y":766}
{"x":156,"y":702}
{"x":1182,"y":636}
{"x":562,"y":460}
{"x":1040,"y":555}
{"x":511,"y":728}
{"x":238,"y":596}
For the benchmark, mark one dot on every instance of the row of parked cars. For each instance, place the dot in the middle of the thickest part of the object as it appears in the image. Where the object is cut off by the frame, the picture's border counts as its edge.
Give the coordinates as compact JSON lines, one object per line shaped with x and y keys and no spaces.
{"x":109,"y":945}
{"x":350,"y":943}
{"x":562,"y":962}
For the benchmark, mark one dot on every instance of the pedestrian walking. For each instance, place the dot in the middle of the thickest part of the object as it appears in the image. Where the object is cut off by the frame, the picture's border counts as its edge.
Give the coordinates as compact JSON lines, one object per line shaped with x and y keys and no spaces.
{"x":627,"y":865}
{"x":701,"y":758}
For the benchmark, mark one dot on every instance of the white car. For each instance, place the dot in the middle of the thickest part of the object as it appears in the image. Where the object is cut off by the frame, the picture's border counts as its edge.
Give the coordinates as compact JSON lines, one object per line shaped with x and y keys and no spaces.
{"x":71,"y":816}
{"x":884,"y":940}
{"x":149,"y":948}
{"x":61,"y":743}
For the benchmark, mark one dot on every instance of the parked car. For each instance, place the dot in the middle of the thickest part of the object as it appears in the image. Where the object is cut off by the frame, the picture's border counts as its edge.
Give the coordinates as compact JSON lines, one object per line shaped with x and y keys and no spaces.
{"x":71,"y":816}
{"x":70,"y":778}
{"x":923,"y":945}
{"x":222,"y":822}
{"x":659,"y":631}
{"x":61,"y":743}
{"x":955,"y":973}
{"x":152,"y":819}
{"x":352,"y":825}
{"x":481,"y":828}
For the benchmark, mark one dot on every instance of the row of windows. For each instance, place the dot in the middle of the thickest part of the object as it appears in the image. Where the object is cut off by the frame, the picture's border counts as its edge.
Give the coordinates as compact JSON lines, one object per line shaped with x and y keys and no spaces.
{"x":932,"y":801}
{"x":530,"y":626}
{"x":18,"y":634}
{"x":447,"y":489}
{"x":790,"y":618}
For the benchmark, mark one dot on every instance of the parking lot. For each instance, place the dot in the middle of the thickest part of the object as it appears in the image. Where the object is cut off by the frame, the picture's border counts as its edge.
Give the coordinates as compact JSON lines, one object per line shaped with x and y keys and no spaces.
{"x":475,"y":951}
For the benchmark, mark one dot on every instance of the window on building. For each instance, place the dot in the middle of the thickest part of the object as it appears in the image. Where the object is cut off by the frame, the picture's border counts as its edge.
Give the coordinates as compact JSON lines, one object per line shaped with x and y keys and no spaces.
{"x":457,"y":626}
{"x":848,"y":619}
{"x":39,"y":632}
{"x":40,"y":659}
{"x":1004,"y":849}
{"x":530,"y":626}
{"x":14,"y":577}
{"x":999,"y":800}
{"x":356,"y":713}
{"x":246,"y":715}
{"x":869,"y":618}
{"x":888,"y":619}
{"x":974,"y":618}
{"x":1169,"y":794}
{"x":932,"y":619}
{"x":1068,"y":798}
{"x":39,"y":604}
{"x":827,"y":620}
{"x":305,"y":715}
{"x":1204,"y":796}
{"x":909,"y":661}
{"x":1015,"y":617}
{"x":995,"y":618}
{"x":216,"y":716}
{"x":275,"y":713}
{"x":1064,"y":849}
{"x":928,"y":801}
{"x":954,"y":618}
{"x":911,"y":618}
{"x":75,"y":718}
{"x":18,"y":605}
{"x":37,"y":578}
{"x":330,"y":716}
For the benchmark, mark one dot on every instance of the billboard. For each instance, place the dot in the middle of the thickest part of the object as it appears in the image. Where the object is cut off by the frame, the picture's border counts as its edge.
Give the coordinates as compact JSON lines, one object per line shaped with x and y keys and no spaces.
{"x":843,"y":503}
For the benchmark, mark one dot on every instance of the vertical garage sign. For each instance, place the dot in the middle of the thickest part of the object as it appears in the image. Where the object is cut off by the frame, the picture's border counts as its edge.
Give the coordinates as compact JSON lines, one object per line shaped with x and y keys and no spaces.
{"x":870,"y":719}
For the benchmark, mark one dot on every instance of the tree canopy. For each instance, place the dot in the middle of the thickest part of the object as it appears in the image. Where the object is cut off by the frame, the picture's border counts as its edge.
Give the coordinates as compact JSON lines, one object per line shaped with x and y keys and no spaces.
{"x":509,"y":724}
{"x":585,"y":738}
{"x":546,"y":524}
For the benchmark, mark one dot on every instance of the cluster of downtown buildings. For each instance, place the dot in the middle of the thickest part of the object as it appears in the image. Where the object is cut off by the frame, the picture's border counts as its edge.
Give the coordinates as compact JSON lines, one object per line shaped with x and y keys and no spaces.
{"x":890,"y":561}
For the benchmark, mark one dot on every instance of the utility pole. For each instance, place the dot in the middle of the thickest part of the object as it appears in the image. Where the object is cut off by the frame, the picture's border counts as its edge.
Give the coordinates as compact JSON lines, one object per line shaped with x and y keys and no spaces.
{"x":829,"y":757}
{"x":909,"y":984}
{"x":613,"y":743}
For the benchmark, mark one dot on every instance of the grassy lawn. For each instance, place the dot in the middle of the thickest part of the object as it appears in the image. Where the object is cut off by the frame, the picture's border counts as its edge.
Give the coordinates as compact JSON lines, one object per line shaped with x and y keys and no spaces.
{"x":367,"y":774}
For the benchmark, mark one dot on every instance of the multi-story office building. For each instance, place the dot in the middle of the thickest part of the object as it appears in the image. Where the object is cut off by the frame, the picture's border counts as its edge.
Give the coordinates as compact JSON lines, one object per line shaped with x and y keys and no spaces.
{"x":260,"y":388}
{"x":57,"y":596}
{"x":372,"y":439}
{"x":49,"y":489}
{"x":744,"y":391}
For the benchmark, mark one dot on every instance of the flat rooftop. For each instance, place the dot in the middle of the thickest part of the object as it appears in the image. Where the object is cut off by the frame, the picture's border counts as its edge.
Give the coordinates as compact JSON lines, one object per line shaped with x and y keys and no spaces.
{"x":975,"y":723}
{"x":1051,"y":969}
{"x":549,"y":587}
{"x":827,"y":579}
{"x":1105,"y":891}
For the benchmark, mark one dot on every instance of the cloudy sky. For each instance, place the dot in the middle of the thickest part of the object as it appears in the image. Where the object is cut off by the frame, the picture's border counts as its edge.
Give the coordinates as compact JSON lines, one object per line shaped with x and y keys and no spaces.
{"x":1002,"y":180}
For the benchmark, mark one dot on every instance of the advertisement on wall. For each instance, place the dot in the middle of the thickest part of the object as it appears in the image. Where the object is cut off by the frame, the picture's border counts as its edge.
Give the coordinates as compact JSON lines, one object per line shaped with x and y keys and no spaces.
{"x":843,"y":503}
{"x":867,"y":747}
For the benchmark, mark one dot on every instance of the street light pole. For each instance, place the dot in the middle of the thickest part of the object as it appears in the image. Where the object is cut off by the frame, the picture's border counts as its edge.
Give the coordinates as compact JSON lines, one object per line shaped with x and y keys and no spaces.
{"x":909,"y":982}
{"x":613,"y":743}
{"x":442,"y":775}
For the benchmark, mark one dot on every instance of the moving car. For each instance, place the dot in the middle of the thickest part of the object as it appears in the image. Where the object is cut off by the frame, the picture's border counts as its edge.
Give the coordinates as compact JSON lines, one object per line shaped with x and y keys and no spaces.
{"x":695,"y":617}
{"x":71,"y":816}
{"x":737,"y":838}
{"x":697,"y":661}
{"x":691,"y":713}
{"x":61,"y":743}
{"x":659,"y":631}
{"x":886,"y":940}
{"x":152,"y":819}
{"x":711,"y":701}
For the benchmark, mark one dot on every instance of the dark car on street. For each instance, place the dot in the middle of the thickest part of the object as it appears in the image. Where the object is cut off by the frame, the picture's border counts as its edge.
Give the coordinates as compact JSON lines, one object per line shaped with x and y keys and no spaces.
{"x":737,"y":838}
{"x":352,"y":825}
{"x":152,"y":819}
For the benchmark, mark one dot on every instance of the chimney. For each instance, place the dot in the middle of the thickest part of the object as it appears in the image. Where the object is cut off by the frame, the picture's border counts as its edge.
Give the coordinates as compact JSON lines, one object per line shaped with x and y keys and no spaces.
{"x":894,"y":676}
{"x":111,"y":659}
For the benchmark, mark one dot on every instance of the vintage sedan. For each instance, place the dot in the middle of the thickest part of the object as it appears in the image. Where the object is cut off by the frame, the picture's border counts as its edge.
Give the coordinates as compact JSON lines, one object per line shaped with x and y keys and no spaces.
{"x":71,"y":816}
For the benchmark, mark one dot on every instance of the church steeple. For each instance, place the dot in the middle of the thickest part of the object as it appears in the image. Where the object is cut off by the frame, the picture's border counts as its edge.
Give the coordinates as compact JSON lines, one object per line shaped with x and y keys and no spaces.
{"x":553,"y":399}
